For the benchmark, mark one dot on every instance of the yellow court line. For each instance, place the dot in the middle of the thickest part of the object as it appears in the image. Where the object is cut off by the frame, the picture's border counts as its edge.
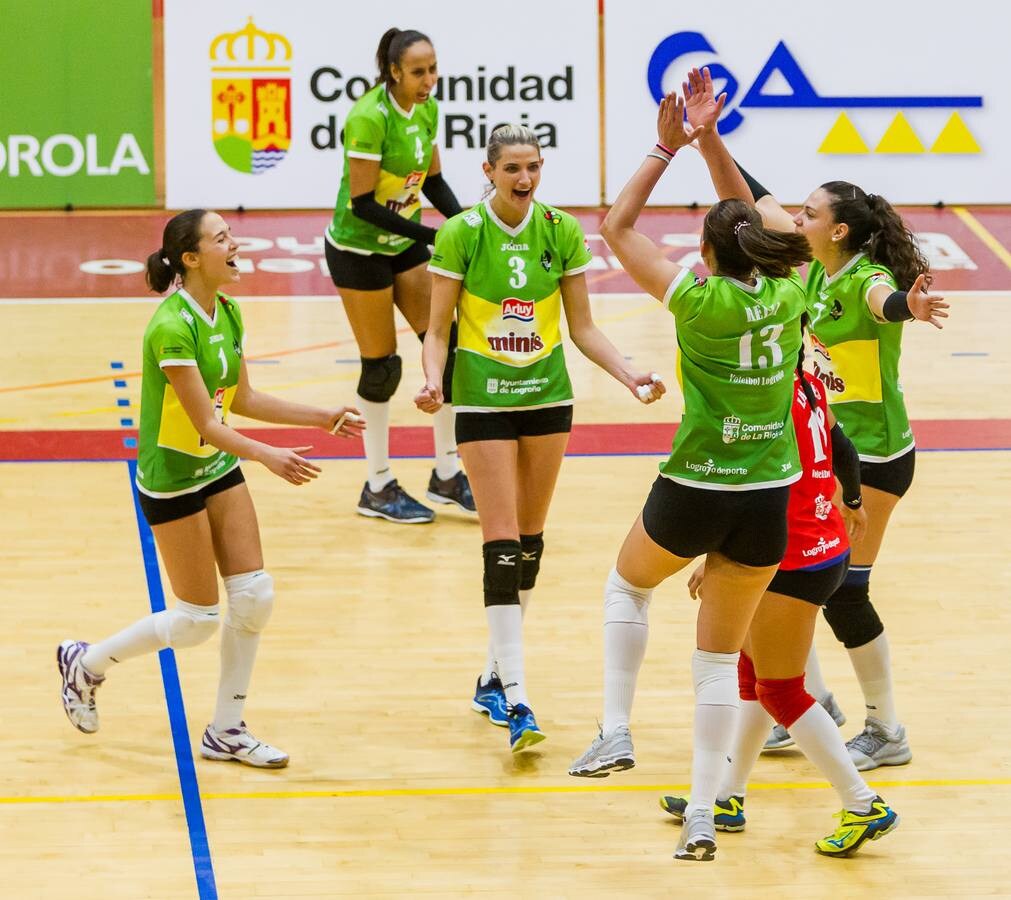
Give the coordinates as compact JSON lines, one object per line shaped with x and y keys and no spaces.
{"x":981,"y":231}
{"x":485,"y":791}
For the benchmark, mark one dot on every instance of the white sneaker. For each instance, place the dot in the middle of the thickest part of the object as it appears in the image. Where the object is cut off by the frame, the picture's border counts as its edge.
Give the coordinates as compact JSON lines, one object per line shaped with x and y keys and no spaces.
{"x":240,"y":745}
{"x":698,"y":837}
{"x":876,"y":746}
{"x":614,"y":753}
{"x":78,"y":686}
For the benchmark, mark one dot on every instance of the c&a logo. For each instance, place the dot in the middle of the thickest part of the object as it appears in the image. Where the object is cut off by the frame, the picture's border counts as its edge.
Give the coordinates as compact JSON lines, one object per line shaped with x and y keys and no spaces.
{"x":251,"y":98}
{"x":781,"y":70}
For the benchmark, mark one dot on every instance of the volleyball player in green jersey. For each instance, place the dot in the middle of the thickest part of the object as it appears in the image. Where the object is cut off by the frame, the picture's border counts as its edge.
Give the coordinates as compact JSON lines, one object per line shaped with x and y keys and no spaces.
{"x":377,"y":252}
{"x":867,"y":278}
{"x":509,"y":267}
{"x":191,"y":489}
{"x":724,"y":489}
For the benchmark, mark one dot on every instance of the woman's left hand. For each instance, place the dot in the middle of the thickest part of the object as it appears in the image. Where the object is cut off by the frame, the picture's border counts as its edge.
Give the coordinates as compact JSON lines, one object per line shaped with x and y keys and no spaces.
{"x":345,"y":422}
{"x":855,"y":521}
{"x":647,"y":388}
{"x":924,"y":306}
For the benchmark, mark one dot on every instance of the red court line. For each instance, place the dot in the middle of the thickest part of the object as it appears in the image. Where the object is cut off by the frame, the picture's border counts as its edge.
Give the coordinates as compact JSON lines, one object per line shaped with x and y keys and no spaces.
{"x":407,"y":441}
{"x":40,"y":255}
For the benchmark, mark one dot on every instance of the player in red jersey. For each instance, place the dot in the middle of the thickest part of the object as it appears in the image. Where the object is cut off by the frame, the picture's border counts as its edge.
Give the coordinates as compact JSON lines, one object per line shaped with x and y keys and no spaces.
{"x":771,"y":667}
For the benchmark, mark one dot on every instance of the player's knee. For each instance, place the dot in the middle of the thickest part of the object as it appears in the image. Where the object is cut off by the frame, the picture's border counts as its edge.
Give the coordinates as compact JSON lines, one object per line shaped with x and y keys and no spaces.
{"x":532,"y":549}
{"x":852,"y":616}
{"x":250,"y":601}
{"x":186,"y":624}
{"x":784,"y":698}
{"x":746,"y":679}
{"x":379,"y":378}
{"x":502,"y":567}
{"x":624,"y":602}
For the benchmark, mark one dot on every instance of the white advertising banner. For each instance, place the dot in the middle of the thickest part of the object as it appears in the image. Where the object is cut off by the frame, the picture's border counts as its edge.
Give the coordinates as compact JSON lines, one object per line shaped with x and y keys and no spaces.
{"x":256,"y":94}
{"x":910,"y":101}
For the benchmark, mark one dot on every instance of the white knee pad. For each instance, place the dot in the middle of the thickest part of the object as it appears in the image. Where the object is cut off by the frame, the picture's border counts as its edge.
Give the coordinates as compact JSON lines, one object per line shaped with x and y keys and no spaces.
{"x":715,"y":678}
{"x":624,"y":602}
{"x":250,"y":600}
{"x":186,"y":624}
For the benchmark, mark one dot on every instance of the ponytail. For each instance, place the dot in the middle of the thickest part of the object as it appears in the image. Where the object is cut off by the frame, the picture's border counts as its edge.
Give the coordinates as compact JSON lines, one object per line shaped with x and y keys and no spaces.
{"x":181,"y":235}
{"x":742,"y":245}
{"x":391,"y":49}
{"x":878,"y":230}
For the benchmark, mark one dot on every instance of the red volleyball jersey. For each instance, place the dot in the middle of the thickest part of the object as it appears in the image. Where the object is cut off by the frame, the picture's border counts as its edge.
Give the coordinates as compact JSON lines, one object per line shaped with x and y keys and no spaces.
{"x":817,"y":534}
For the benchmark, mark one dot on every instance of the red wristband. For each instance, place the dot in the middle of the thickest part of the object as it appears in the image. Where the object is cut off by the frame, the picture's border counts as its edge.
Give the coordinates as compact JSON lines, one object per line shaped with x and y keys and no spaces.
{"x":666,"y":150}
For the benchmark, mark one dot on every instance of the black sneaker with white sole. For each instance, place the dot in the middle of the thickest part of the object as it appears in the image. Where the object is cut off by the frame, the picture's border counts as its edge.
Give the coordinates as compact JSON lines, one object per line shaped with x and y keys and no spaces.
{"x":451,"y":490}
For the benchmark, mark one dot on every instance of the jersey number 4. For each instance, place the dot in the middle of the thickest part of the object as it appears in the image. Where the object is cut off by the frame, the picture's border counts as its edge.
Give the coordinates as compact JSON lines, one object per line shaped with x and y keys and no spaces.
{"x":770,"y":333}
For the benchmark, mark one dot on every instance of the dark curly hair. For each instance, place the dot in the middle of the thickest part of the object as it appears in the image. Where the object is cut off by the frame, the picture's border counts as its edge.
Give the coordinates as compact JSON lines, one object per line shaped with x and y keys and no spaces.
{"x":878,"y":230}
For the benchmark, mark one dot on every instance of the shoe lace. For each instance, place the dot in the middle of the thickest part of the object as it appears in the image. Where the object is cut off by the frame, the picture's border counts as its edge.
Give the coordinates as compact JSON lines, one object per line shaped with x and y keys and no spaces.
{"x":868,"y":741}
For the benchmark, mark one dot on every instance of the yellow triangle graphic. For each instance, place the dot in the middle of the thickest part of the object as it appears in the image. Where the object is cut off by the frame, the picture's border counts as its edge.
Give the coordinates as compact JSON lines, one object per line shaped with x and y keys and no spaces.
{"x":900,"y":138}
{"x":955,"y":137}
{"x":843,"y":138}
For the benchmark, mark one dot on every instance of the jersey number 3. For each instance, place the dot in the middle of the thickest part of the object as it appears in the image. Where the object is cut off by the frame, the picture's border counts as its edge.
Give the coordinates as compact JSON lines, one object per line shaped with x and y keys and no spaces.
{"x":518,"y":278}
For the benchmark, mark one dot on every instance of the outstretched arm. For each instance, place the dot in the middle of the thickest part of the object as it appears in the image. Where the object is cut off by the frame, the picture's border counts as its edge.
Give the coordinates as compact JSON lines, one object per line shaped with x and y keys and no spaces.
{"x":703,"y":109}
{"x":640,"y":257}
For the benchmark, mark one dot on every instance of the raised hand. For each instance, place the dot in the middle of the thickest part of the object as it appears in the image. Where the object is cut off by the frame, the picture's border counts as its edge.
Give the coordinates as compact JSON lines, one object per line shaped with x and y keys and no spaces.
{"x":924,"y":306}
{"x":701,"y":104}
{"x":670,"y":128}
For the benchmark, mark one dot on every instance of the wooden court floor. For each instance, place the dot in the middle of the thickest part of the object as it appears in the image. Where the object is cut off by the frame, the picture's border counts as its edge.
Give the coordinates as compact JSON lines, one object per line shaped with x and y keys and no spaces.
{"x":367,"y":668}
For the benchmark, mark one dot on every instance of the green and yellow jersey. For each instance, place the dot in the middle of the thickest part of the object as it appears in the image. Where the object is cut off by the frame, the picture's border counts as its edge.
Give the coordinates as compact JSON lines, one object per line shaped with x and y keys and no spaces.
{"x":172,"y":457}
{"x":510,"y":352}
{"x":857,"y":358}
{"x":737,"y":350}
{"x":378,"y":129}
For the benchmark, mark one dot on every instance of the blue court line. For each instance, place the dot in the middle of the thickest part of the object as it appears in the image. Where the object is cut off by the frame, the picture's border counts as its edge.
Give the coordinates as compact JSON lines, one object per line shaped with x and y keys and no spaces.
{"x":199,"y":846}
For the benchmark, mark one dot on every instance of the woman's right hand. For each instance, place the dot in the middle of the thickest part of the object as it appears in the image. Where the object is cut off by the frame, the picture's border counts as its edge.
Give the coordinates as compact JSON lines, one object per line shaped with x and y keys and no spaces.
{"x":288,"y":463}
{"x":670,"y":123}
{"x":695,"y":582}
{"x":429,"y":398}
{"x":701,"y":104}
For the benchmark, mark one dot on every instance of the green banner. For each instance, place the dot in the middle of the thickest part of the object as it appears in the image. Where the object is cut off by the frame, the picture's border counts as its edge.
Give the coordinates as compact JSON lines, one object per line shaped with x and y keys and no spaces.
{"x":76,"y":103}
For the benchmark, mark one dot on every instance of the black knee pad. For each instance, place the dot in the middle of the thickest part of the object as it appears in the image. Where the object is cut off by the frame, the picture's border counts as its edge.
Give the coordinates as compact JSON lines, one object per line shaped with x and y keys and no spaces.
{"x":532,"y":547}
{"x":502,"y":567}
{"x":379,"y":378}
{"x":853,"y":619}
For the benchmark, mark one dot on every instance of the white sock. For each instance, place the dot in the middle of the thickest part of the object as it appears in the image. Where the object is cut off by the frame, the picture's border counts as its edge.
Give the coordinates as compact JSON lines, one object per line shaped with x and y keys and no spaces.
{"x":818,"y":736}
{"x":489,"y":667}
{"x":753,"y":724}
{"x":626,"y":633}
{"x":505,"y":625}
{"x":716,"y":704}
{"x":377,"y":442}
{"x":447,"y":460}
{"x":144,"y":636}
{"x":873,"y":667}
{"x":814,"y":683}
